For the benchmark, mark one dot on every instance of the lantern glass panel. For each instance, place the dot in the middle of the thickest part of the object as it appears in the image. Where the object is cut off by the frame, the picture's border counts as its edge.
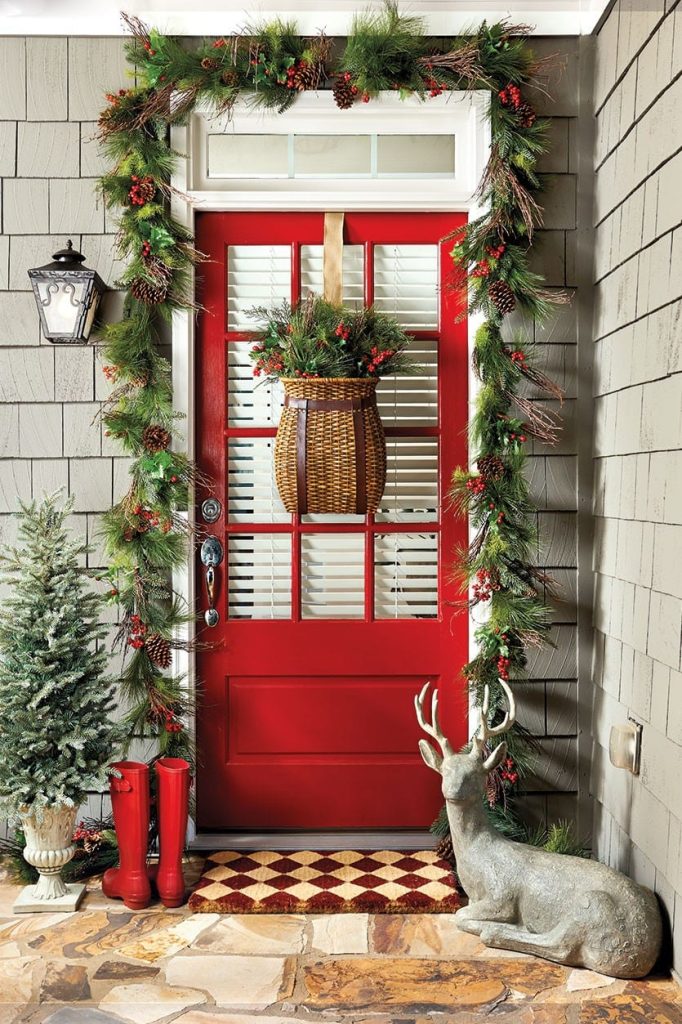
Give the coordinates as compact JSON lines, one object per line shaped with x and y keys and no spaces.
{"x":62,"y":304}
{"x":91,"y":315}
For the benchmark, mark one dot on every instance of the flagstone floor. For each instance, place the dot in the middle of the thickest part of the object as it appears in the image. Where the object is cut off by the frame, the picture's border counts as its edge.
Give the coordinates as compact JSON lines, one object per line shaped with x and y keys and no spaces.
{"x":107,"y":965}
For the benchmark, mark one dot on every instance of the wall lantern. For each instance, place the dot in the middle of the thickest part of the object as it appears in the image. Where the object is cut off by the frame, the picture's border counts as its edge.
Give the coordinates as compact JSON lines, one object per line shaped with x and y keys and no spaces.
{"x":67,"y":295}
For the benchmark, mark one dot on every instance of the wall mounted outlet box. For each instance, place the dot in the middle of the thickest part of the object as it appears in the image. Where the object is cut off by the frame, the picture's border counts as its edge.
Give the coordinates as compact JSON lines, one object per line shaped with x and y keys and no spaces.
{"x":625,"y":743}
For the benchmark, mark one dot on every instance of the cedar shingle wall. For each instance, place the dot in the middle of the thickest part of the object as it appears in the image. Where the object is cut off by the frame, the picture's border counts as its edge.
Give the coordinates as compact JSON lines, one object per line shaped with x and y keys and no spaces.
{"x":638,"y":442}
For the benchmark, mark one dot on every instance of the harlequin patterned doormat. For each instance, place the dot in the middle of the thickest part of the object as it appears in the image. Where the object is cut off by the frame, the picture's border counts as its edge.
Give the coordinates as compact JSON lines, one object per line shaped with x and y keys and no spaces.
{"x":306,"y":882}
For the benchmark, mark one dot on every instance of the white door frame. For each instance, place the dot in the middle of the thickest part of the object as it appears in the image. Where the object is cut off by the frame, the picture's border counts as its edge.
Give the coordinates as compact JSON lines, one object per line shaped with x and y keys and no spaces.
{"x":194,"y":190}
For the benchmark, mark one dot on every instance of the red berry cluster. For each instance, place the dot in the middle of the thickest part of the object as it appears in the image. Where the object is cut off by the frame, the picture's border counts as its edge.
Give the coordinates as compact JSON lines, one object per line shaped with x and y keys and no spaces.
{"x":503,"y":667}
{"x":146,"y":249}
{"x":518,"y":437}
{"x":291,"y":74}
{"x":495,"y":250}
{"x":519,"y":358}
{"x":148,"y":519}
{"x":218,"y":44}
{"x":306,"y":374}
{"x":432,"y":84}
{"x":346,"y":76}
{"x":115,"y":97}
{"x":434,"y":87}
{"x":268,"y":364}
{"x":510,"y":96}
{"x":290,"y":80}
{"x":137,"y":632}
{"x":171,"y":723}
{"x":376,"y":358}
{"x":110,"y":372}
{"x":148,"y":48}
{"x":499,"y":518}
{"x":342,"y":331}
{"x":476,"y":484}
{"x":482,"y":587}
{"x":482,"y":269}
{"x":138,"y":192}
{"x":508,"y":771}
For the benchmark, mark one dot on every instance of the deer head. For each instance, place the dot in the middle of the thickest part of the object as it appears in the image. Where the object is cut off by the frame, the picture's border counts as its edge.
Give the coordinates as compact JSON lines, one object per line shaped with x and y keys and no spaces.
{"x":463,"y":774}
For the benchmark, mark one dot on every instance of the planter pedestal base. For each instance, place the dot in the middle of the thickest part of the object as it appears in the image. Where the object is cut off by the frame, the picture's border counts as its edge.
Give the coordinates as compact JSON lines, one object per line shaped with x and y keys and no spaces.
{"x":27,"y":902}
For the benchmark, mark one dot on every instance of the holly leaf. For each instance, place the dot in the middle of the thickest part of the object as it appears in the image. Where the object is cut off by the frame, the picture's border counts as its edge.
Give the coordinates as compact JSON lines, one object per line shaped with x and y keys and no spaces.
{"x":161,"y":238}
{"x":157,"y":464}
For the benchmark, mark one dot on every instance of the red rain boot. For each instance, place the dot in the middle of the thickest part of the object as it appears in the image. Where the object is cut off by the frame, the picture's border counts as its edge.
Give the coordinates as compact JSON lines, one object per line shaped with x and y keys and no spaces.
{"x":172,"y":802}
{"x":130,"y":806}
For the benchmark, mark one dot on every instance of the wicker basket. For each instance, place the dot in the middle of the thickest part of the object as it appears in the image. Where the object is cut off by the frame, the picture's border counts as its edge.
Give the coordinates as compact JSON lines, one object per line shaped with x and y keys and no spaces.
{"x":330,"y":453}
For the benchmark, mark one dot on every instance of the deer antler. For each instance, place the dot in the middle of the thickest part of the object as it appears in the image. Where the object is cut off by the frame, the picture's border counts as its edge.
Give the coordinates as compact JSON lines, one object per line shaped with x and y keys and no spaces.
{"x":433,"y":728}
{"x":485,"y":730}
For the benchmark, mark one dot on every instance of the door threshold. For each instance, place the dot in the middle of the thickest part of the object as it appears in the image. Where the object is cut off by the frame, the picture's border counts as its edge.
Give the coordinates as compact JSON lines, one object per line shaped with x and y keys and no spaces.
{"x":313,"y":841}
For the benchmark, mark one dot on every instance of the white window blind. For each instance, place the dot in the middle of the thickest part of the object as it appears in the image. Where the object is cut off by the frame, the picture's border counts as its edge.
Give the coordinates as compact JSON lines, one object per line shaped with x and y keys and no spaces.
{"x":257,"y":275}
{"x":259,"y":576}
{"x":406,"y":576}
{"x":333,"y":576}
{"x":353,"y":272}
{"x":252,"y":494}
{"x":406,"y":284}
{"x":411,"y":493}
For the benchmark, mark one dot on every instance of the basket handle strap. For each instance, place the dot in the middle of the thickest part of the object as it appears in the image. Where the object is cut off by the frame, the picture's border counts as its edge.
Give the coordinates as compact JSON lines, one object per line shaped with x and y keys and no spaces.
{"x":360,"y":474}
{"x":301,"y":455}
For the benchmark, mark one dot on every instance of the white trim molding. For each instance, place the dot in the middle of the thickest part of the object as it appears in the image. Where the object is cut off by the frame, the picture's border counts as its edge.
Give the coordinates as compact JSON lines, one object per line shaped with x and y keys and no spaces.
{"x":460,"y":114}
{"x":223,"y":17}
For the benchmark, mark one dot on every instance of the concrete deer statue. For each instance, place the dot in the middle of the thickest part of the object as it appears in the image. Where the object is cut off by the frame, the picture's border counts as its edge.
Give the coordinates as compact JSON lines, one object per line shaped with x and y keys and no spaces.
{"x":567,"y":909}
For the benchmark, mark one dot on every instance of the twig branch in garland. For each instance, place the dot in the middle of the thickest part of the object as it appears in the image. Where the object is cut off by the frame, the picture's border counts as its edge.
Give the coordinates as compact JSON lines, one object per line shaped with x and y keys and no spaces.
{"x":271,"y":65}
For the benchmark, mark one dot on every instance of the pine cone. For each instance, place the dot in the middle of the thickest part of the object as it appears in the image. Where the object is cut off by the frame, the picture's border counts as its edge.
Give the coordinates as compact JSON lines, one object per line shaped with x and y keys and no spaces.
{"x":344,"y":92}
{"x":306,"y":76}
{"x":144,"y":291}
{"x":155,"y":438}
{"x":445,"y":850}
{"x":159,"y":650}
{"x":230,"y":77}
{"x":526,"y":115}
{"x":141,"y":191}
{"x":491,"y":467}
{"x":209,"y":63}
{"x":153,"y":289}
{"x":502,"y":297}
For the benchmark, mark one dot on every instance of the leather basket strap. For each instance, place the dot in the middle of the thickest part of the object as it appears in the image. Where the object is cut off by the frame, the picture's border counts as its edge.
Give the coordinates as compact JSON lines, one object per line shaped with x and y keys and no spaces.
{"x":360,"y":474}
{"x":301,"y":453}
{"x":328,"y":404}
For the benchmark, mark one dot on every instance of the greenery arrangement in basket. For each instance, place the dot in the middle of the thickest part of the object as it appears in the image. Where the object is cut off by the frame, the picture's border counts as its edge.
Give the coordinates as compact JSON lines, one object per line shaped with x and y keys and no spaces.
{"x":319,"y":339}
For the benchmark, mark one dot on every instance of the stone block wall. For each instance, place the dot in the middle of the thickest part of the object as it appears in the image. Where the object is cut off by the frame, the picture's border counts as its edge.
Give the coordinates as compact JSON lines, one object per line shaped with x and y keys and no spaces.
{"x":638,"y":442}
{"x":50,"y":396}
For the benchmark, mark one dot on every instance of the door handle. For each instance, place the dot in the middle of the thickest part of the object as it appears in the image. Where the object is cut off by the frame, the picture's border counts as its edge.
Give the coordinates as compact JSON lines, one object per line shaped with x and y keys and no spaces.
{"x":211,"y":556}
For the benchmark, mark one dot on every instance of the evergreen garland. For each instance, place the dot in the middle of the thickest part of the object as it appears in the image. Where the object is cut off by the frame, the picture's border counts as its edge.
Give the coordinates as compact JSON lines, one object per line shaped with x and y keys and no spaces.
{"x":271,"y":64}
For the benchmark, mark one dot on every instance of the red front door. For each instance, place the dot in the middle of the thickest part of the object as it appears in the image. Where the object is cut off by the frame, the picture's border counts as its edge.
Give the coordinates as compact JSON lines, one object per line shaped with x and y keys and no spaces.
{"x":328,"y":625}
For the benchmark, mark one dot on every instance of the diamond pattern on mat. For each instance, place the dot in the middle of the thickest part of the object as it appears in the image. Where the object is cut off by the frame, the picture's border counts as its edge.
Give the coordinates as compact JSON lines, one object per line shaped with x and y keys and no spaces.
{"x":383,"y":881}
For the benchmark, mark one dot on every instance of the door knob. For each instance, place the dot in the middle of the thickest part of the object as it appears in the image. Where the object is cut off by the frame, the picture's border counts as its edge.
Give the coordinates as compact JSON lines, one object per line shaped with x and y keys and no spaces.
{"x":211,"y":510}
{"x":211,"y":556}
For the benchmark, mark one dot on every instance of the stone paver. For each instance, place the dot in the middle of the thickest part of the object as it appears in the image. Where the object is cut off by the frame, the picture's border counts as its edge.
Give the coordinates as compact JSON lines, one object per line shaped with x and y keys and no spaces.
{"x":340,"y":933}
{"x":259,"y":934}
{"x":146,"y":1003}
{"x":254,"y":983}
{"x":109,"y":965}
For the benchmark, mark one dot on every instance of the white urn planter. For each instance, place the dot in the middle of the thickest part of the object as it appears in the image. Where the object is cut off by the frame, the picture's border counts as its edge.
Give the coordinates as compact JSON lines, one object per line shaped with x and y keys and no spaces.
{"x":49,"y":846}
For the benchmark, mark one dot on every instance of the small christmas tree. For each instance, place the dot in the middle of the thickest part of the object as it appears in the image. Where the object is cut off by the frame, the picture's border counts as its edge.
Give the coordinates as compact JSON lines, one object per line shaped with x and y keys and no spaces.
{"x":56,"y":734}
